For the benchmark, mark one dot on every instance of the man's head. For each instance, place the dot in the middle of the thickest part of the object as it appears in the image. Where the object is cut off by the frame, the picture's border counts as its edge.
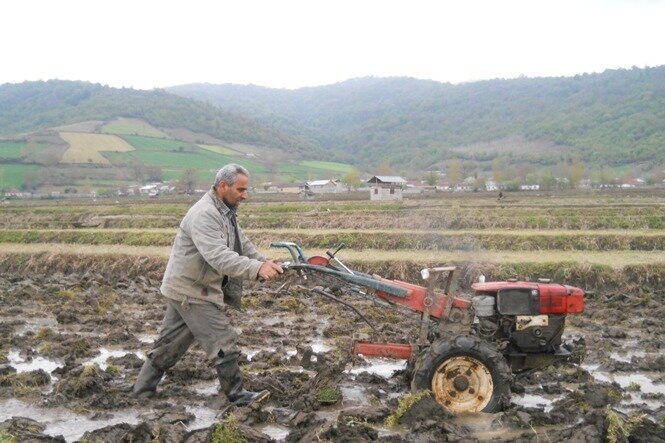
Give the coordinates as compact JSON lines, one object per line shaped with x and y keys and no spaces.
{"x":231,"y":184}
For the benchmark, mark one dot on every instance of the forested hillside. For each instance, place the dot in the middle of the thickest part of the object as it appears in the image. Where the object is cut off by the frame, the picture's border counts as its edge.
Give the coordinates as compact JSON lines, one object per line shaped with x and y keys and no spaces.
{"x":614,"y":118}
{"x":32,"y":106}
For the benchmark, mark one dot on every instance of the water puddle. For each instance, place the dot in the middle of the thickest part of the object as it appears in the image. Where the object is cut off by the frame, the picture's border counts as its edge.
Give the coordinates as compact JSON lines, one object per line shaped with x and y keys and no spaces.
{"x":60,"y":421}
{"x":383,"y":367}
{"x":534,"y":401}
{"x":625,"y":380}
{"x":274,"y":431}
{"x":207,"y":388}
{"x":34,"y":324}
{"x":205,"y":416}
{"x":353,"y":395}
{"x":147,"y":338}
{"x":276,"y":320}
{"x":626,"y":356}
{"x":251,"y":352}
{"x":23,"y":365}
{"x":105,"y":354}
{"x":319,"y":346}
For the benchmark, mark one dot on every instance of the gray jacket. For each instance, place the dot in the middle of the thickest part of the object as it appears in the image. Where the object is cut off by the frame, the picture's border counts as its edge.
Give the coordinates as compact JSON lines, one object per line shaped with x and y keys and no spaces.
{"x":202,"y":256}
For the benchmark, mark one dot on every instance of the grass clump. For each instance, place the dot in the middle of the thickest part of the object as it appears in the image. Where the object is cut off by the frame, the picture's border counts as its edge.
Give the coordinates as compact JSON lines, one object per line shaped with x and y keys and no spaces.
{"x":227,"y":432}
{"x":291,"y":304}
{"x":69,"y":294}
{"x":6,"y":437}
{"x":113,"y":370}
{"x":328,"y":395}
{"x":406,"y":402}
{"x":617,"y":430}
{"x":44,"y":334}
{"x":24,"y":383}
{"x":634,"y":386}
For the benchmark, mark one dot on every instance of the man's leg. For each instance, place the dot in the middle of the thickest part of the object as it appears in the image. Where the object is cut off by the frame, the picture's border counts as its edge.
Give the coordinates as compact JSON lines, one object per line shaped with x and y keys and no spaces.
{"x":213,"y":331}
{"x":173,"y":341}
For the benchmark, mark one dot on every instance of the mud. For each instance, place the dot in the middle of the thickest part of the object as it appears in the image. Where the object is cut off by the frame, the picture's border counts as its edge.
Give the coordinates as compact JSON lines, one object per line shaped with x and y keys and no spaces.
{"x":73,"y":341}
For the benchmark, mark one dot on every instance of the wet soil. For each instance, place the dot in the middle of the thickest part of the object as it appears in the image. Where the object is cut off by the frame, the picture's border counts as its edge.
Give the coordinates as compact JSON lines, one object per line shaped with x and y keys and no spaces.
{"x":73,"y":342}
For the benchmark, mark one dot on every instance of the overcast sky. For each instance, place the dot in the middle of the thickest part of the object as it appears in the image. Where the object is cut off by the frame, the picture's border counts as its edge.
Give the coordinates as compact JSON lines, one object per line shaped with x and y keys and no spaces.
{"x":290,"y":44}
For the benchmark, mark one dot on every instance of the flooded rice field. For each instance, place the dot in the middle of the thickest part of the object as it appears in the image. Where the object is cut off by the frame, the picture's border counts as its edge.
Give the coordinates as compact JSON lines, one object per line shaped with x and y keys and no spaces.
{"x":72,"y":342}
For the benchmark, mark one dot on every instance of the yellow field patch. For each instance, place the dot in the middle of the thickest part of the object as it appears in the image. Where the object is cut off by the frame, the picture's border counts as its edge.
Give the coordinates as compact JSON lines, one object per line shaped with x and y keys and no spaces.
{"x":86,"y":148}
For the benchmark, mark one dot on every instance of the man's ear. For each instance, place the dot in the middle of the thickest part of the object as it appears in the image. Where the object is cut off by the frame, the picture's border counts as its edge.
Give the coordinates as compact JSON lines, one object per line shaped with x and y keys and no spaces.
{"x":222,"y":187}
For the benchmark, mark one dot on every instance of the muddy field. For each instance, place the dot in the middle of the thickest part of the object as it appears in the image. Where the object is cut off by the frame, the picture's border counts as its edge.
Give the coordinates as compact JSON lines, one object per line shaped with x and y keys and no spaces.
{"x":73,"y":339}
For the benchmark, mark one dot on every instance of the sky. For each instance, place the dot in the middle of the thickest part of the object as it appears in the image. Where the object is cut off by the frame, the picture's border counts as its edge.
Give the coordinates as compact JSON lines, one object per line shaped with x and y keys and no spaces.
{"x":147,"y":44}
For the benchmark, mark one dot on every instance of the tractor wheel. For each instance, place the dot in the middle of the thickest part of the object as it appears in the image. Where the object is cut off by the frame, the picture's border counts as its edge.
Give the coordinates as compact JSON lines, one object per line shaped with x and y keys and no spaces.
{"x":465,"y":374}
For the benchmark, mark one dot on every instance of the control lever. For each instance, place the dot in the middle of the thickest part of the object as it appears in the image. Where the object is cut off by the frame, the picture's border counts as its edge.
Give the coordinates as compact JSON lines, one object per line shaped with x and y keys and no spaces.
{"x":332,"y":257}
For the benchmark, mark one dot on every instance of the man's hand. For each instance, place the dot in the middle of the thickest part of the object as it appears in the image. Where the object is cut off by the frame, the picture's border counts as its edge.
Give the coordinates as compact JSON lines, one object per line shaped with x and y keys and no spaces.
{"x":269,"y":269}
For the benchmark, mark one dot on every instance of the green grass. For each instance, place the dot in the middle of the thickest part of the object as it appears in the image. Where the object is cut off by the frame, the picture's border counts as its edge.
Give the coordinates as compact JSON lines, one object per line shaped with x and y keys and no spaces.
{"x":227,"y":431}
{"x":141,"y":143}
{"x":327,"y":166}
{"x":310,"y":170}
{"x":12,"y":175}
{"x":175,"y":156}
{"x":12,"y":150}
{"x":133,"y":127}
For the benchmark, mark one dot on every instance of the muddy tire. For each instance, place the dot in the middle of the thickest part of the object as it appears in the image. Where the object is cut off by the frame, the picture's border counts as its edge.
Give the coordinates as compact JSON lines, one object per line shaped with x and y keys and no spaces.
{"x":465,"y":374}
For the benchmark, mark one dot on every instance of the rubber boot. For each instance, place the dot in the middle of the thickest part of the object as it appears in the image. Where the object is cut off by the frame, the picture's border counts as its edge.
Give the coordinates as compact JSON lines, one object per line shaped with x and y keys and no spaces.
{"x":231,"y":382}
{"x":147,"y":381}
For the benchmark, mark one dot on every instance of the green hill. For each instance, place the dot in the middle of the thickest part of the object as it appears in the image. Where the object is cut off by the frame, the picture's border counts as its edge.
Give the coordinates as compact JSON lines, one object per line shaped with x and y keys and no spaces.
{"x":31,"y":106}
{"x":615,"y":118}
{"x":75,"y":135}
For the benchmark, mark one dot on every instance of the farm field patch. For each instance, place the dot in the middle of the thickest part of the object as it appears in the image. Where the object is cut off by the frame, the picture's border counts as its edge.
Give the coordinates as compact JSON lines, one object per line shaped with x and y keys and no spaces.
{"x":130,"y":126}
{"x":12,"y":174}
{"x":12,"y":150}
{"x":86,"y":148}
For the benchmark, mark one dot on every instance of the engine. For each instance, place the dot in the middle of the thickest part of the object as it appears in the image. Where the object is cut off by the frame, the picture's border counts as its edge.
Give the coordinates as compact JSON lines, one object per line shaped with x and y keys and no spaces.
{"x":526,"y":317}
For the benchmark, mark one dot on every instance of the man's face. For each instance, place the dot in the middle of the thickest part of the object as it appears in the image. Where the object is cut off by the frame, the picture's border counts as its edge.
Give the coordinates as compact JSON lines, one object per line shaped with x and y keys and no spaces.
{"x":233,"y":194}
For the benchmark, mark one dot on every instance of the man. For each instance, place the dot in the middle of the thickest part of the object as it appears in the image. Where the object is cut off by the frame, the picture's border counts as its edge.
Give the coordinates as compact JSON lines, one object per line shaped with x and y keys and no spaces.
{"x":209,"y":259}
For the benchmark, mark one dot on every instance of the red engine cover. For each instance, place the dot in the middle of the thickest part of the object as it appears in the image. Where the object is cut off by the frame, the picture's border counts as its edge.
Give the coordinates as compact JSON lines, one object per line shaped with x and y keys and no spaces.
{"x":554,"y":298}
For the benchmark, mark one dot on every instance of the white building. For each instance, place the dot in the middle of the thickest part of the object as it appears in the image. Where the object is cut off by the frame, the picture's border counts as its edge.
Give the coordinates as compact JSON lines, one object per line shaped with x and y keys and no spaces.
{"x":386,"y":187}
{"x":324,"y":186}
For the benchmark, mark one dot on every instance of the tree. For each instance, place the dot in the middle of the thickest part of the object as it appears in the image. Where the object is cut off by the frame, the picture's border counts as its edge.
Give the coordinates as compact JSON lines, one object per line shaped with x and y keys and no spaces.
{"x":384,"y":168}
{"x":431,"y":178}
{"x":548,"y":181}
{"x":352,"y":179}
{"x":606,"y":176}
{"x":455,"y":171}
{"x":576,"y":172}
{"x":187,"y":181}
{"x":497,"y":170}
{"x":154,"y":173}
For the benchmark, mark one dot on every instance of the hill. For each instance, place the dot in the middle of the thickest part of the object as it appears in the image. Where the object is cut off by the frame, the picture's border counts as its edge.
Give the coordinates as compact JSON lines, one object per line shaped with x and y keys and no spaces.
{"x":32,"y":106}
{"x":65,"y":135}
{"x":616,"y":118}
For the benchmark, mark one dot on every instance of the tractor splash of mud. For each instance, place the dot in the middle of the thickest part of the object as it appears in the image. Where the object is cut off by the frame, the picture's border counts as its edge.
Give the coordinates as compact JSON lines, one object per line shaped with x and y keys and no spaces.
{"x":466,"y":349}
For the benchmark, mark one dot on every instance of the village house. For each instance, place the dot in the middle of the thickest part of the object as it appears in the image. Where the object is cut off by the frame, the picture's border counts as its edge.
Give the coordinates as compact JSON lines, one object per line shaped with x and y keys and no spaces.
{"x":386,"y":187}
{"x":325,"y":186}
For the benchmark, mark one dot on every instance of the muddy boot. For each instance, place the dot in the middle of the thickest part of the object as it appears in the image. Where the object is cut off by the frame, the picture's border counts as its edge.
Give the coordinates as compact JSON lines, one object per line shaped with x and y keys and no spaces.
{"x":231,"y":383}
{"x":147,"y":381}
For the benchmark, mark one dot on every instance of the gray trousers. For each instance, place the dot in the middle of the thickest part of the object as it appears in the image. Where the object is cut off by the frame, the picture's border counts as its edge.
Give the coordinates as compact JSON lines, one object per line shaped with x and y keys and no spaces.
{"x":205,"y":323}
